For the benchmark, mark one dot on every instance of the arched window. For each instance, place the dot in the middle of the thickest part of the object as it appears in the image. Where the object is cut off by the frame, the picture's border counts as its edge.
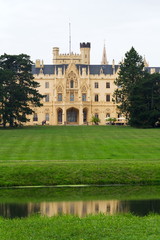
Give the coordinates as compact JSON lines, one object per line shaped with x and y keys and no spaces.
{"x":60,"y":116}
{"x":47,"y":116}
{"x":71,"y":84}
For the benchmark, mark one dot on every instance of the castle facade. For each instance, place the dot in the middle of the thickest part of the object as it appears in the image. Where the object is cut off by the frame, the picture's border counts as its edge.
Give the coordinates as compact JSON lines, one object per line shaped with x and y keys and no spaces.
{"x":74,"y":89}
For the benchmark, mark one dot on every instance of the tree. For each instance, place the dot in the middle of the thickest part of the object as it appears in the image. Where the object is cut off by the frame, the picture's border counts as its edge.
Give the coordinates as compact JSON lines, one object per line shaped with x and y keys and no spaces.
{"x":95,"y":120}
{"x":137,"y":92}
{"x":111,"y":120}
{"x":146,"y":104}
{"x":18,"y":90}
{"x":130,"y":74}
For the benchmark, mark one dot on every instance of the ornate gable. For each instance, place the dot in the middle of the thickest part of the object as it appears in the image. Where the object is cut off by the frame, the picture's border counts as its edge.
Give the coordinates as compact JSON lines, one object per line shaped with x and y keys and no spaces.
{"x":72,"y":75}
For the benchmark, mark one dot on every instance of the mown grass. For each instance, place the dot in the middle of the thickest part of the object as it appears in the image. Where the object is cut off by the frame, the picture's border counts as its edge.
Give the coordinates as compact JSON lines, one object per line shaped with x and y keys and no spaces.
{"x":79,"y":155}
{"x":100,"y":227}
{"x":79,"y":143}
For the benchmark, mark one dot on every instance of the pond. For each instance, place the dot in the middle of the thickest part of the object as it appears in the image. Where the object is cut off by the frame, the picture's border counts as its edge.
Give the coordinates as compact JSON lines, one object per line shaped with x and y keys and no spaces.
{"x":79,"y":201}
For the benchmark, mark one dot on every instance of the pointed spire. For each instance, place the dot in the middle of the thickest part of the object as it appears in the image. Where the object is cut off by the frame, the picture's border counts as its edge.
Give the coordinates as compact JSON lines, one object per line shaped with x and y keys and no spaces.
{"x":113,"y":66}
{"x":145,"y":62}
{"x":104,"y":56}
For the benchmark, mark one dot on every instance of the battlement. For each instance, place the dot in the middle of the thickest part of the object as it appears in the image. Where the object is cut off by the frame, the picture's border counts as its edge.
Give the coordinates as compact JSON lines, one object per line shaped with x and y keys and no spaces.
{"x":67,"y":54}
{"x":85,"y":45}
{"x":82,"y":58}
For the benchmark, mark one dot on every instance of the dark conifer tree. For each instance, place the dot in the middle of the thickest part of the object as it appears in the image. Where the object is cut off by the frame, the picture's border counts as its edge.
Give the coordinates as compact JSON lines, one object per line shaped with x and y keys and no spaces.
{"x":137,"y":92}
{"x":18,"y":90}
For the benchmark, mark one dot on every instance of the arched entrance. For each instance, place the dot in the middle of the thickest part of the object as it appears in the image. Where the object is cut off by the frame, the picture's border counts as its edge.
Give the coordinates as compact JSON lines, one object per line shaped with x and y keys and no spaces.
{"x":85,"y":115}
{"x":72,"y":116}
{"x":59,"y":116}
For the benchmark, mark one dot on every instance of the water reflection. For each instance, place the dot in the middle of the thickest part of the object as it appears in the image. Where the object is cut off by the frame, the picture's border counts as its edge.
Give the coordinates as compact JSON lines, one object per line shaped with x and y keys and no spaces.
{"x":80,"y":208}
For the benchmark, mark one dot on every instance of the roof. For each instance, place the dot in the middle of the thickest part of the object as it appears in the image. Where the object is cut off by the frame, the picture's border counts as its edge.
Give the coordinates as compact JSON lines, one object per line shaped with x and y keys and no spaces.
{"x":106,"y":69}
{"x":94,"y":69}
{"x":49,"y":69}
{"x":149,"y":69}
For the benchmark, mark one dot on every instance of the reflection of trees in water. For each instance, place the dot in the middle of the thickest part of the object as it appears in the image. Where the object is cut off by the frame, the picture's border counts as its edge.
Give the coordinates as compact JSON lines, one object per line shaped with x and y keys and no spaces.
{"x":144,"y":207}
{"x":12,"y":210}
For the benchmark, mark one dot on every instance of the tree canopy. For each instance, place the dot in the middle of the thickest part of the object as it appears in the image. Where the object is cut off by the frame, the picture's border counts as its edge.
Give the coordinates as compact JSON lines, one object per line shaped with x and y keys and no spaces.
{"x":138,"y":92}
{"x":18,"y":90}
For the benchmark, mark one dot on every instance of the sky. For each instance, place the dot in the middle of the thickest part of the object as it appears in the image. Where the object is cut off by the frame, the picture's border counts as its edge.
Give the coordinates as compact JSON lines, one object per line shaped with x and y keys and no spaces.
{"x":34,"y":27}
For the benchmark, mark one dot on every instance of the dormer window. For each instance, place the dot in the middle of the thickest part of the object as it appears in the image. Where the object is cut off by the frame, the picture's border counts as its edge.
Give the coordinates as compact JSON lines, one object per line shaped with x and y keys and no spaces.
{"x":71,"y":84}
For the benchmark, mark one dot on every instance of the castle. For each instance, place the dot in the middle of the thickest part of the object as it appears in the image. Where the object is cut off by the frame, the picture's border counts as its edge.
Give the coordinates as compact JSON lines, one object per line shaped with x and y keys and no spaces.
{"x":76,"y":90}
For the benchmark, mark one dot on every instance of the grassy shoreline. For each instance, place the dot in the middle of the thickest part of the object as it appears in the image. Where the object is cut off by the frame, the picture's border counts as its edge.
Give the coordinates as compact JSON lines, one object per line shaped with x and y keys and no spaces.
{"x":80,"y":172}
{"x":102,"y":172}
{"x":99,"y":227}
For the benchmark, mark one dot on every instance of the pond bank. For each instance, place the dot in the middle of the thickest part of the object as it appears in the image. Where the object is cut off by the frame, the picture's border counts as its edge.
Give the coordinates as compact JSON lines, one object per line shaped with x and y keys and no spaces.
{"x":120,"y":227}
{"x":95,"y":172}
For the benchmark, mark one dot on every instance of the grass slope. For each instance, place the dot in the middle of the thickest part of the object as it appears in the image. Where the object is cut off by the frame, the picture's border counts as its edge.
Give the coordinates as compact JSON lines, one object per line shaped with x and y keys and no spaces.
{"x":122,"y":227}
{"x":79,"y":143}
{"x":79,"y":155}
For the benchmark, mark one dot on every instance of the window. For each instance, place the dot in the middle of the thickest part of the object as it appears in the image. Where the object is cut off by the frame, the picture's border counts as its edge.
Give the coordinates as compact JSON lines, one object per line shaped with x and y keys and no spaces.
{"x":84,"y":97}
{"x":47,"y":116}
{"x":96,"y":84}
{"x":107,"y":98}
{"x":59,"y":97}
{"x":46,"y":84}
{"x":107,"y":84}
{"x":96,"y":98}
{"x":71,"y":84}
{"x":107,"y":115}
{"x":47,"y":98}
{"x":96,"y":115}
{"x":35,"y":117}
{"x":60,"y":116}
{"x":71,"y":97}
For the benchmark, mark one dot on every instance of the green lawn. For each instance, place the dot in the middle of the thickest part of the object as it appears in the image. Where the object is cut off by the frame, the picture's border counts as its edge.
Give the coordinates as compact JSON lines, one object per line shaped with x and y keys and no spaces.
{"x":66,"y":155}
{"x":122,"y":227}
{"x":79,"y":143}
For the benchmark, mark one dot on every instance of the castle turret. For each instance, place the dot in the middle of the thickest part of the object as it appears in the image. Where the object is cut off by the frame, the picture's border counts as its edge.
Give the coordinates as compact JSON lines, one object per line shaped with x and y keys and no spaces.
{"x":85,"y":52}
{"x":39,"y":63}
{"x":55,"y":54}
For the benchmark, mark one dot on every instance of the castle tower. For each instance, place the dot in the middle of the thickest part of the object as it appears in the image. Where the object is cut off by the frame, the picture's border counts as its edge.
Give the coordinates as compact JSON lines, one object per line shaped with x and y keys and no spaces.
{"x":104,"y":57}
{"x":55,"y":54}
{"x":85,"y":52}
